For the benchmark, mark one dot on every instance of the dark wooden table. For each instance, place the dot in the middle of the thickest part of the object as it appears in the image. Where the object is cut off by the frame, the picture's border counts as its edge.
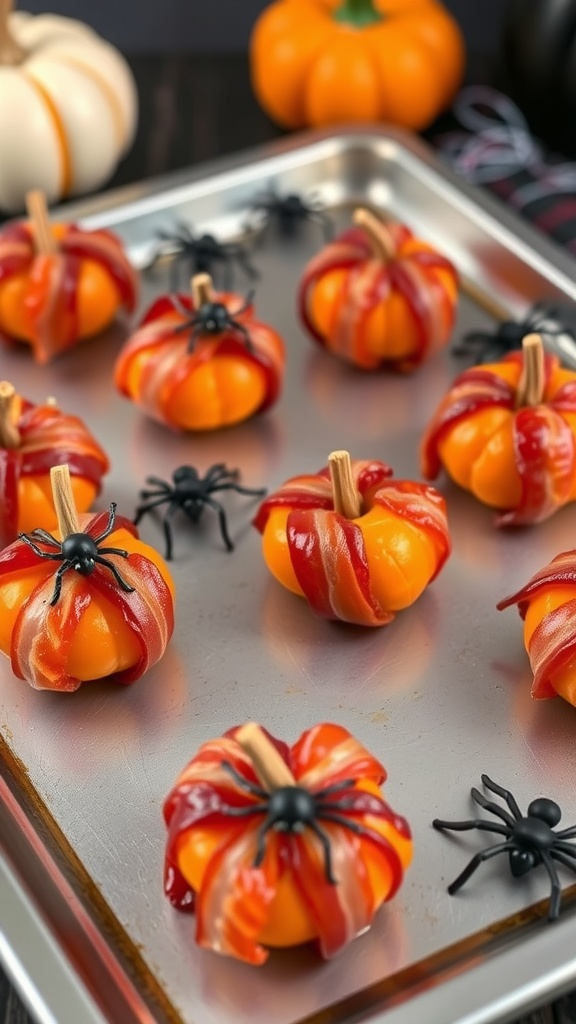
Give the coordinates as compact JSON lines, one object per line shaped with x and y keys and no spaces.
{"x":192,"y":109}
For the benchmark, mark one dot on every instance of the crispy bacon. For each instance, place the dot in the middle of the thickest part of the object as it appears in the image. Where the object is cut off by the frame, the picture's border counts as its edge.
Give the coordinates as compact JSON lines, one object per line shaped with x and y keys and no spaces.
{"x":43,"y":633}
{"x":48,"y":437}
{"x":168,"y":361}
{"x":235,"y":897}
{"x":368,"y":282}
{"x":544,"y":444}
{"x":327,"y":551}
{"x":552,"y":646}
{"x":51,"y":301}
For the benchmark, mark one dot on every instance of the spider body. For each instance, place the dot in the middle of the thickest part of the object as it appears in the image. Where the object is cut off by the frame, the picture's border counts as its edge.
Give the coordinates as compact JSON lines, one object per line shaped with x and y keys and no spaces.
{"x":191,"y":494}
{"x":490,"y":346}
{"x":214,"y":318}
{"x":293,"y":809}
{"x":78,"y":551}
{"x":191,"y":254}
{"x":529,"y":840}
{"x":289,"y":212}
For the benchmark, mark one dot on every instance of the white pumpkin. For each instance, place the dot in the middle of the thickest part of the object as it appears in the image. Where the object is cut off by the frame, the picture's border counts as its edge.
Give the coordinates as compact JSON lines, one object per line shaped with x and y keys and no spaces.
{"x":68,"y":107}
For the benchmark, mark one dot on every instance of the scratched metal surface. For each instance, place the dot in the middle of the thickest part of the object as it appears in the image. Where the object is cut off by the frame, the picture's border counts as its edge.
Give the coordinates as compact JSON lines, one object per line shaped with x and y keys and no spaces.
{"x":441,"y":695}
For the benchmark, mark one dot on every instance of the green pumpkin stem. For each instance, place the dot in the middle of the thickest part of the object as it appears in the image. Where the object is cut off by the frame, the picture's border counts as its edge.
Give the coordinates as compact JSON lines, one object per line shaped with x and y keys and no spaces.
{"x":358,"y":13}
{"x":11,"y":53}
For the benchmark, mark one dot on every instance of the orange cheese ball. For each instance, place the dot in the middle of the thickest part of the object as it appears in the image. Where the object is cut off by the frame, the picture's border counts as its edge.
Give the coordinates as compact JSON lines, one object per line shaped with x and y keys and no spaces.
{"x":541,"y":605}
{"x":478,"y":452}
{"x":401,"y":558}
{"x":103,"y":643}
{"x":391,"y":331}
{"x":36,"y":505}
{"x":219,"y":393}
{"x":289,"y":923}
{"x":98,"y":299}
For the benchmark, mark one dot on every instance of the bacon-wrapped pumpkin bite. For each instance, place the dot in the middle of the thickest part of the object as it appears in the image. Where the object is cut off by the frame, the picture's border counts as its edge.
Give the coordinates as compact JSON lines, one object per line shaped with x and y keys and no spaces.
{"x":358,"y":545}
{"x":506,"y":432}
{"x":90,"y":601}
{"x":33,"y":438}
{"x":547,"y":603}
{"x":202,"y":363}
{"x":272,"y":845}
{"x":60,"y":283}
{"x":378,"y":296}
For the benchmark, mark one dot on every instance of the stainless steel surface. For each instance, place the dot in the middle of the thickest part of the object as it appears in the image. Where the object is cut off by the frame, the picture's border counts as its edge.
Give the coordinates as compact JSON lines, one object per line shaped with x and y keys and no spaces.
{"x":441,"y":695}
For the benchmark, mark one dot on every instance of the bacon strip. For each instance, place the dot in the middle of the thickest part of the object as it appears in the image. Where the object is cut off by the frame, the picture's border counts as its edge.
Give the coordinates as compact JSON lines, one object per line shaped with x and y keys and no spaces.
{"x":43,"y":633}
{"x":421,"y":505}
{"x":106,"y":249}
{"x":329,"y":560}
{"x":544,"y":445}
{"x":48,"y":437}
{"x":51,"y":301}
{"x":314,"y":491}
{"x":367,"y":284}
{"x":169,"y":363}
{"x":235,"y":897}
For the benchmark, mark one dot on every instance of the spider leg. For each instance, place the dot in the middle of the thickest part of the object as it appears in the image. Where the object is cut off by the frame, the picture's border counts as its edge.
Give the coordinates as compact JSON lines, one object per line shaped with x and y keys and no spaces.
{"x":58,"y":581}
{"x":37,"y":551}
{"x":336,"y":788}
{"x":489,"y":805}
{"x":466,"y":826}
{"x":222,"y":520}
{"x":325,"y":840}
{"x":325,"y":223}
{"x":168,"y":535}
{"x":247,"y":303}
{"x":566,"y":848}
{"x":339,"y":819}
{"x":157,"y":482}
{"x":191,"y":323}
{"x":110,"y":565}
{"x":46,"y":538}
{"x":244,"y":783}
{"x":143,"y":509}
{"x":218,"y":471}
{"x":555,"y":888}
{"x":113,"y":551}
{"x":243,"y":260}
{"x":475,"y":863}
{"x":242,"y":490}
{"x":504,"y":793}
{"x":261,"y":842}
{"x":243,"y":812}
{"x":567,"y":833}
{"x":560,"y":855}
{"x":110,"y":524}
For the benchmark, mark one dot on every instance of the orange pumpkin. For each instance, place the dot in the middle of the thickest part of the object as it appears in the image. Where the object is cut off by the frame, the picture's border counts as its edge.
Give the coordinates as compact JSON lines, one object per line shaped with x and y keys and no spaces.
{"x":506,"y":433}
{"x":84,"y":603}
{"x":547,"y":603}
{"x":32,"y":439}
{"x":320,"y":62}
{"x":361,"y":559}
{"x":201,"y":364}
{"x":60,"y":284}
{"x":379,"y":296}
{"x":273,"y":845}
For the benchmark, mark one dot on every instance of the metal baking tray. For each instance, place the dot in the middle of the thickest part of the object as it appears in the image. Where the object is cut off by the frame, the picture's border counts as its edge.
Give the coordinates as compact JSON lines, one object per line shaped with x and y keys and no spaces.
{"x":441,"y":695}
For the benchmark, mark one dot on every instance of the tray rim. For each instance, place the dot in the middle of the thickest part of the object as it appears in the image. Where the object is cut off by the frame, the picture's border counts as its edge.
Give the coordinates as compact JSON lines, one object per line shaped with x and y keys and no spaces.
{"x":460,"y":983}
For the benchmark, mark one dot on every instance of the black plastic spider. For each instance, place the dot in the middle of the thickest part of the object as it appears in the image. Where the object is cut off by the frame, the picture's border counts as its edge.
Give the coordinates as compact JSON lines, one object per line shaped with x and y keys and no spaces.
{"x":529,"y":840}
{"x":490,"y":346}
{"x":191,"y":254}
{"x":293,"y":809}
{"x":214,"y":318}
{"x":190,"y":494}
{"x":78,"y":551}
{"x":288,"y":212}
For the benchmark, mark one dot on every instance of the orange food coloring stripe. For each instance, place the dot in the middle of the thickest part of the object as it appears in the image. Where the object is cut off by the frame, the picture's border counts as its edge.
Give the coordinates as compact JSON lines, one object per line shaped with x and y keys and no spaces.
{"x":60,"y":132}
